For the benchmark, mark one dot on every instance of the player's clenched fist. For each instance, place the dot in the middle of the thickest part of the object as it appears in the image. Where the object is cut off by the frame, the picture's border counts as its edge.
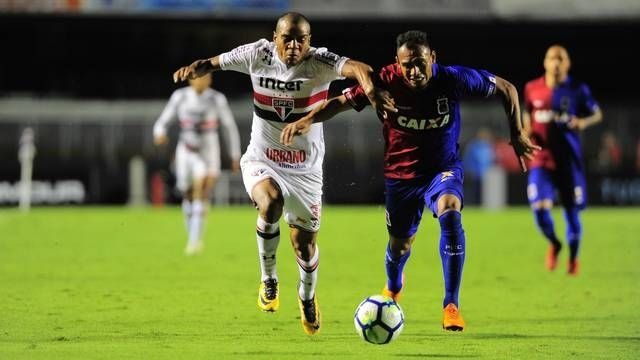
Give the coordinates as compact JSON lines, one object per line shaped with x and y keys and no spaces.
{"x":197,"y":69}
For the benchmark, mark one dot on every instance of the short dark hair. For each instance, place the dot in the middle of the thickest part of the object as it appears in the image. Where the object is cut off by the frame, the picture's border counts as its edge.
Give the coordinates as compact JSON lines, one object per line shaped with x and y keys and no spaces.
{"x":412,"y":38}
{"x":294,"y":17}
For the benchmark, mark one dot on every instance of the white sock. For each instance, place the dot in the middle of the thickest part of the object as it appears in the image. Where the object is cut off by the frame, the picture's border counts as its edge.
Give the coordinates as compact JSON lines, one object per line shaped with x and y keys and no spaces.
{"x":186,"y":211}
{"x":268,"y":238}
{"x":196,"y":222}
{"x":308,"y":276}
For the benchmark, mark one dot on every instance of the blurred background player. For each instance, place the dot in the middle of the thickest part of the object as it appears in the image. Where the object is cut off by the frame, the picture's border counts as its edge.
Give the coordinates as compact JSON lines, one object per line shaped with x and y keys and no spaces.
{"x":290,"y":78}
{"x":557,"y":108}
{"x":200,"y":110}
{"x":422,"y":160}
{"x":26,"y":153}
{"x":479,"y":156}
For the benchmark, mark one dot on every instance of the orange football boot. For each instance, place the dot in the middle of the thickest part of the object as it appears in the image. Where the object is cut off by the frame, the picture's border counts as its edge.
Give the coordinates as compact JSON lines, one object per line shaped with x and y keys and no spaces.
{"x":574,"y":267}
{"x":551,"y":261}
{"x":394,"y":295}
{"x":451,"y":318}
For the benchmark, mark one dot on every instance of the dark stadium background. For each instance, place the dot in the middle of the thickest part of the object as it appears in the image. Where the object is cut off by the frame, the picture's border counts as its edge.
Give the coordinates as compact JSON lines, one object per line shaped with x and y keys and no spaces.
{"x":120,"y":58}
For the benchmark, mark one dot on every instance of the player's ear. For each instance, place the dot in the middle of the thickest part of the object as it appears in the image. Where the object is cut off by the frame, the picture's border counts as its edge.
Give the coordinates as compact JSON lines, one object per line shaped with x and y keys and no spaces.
{"x":274,"y":36}
{"x":433,"y":56}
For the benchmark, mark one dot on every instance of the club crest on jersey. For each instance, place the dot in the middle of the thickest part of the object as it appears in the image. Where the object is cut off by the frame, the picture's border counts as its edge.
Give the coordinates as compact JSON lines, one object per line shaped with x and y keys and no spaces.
{"x":283,"y":107}
{"x":565,"y":103}
{"x":443,"y":106}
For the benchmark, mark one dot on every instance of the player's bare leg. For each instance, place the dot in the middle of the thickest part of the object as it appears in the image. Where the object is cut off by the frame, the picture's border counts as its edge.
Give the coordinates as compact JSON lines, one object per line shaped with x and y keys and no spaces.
{"x":397,"y":254}
{"x":269,"y":201}
{"x":542,"y":211}
{"x":208,"y":184}
{"x":196,"y":219}
{"x":452,"y":253}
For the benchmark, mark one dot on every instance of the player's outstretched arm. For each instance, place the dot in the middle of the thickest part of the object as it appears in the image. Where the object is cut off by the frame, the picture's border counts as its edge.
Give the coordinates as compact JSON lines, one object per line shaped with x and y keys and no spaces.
{"x":169,"y":113}
{"x":324,"y":112}
{"x":585,"y":122}
{"x":380,"y":100}
{"x":526,"y":122}
{"x":520,"y":142}
{"x":197,"y":69}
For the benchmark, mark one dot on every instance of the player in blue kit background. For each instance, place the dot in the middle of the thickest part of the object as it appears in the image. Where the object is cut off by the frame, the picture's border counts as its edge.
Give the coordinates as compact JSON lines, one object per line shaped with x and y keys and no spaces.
{"x":422,"y":165}
{"x":557,"y":108}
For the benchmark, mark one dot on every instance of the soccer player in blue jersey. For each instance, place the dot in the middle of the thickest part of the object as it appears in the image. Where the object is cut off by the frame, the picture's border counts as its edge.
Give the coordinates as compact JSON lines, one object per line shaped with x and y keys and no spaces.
{"x":422,"y":165}
{"x":557,"y":108}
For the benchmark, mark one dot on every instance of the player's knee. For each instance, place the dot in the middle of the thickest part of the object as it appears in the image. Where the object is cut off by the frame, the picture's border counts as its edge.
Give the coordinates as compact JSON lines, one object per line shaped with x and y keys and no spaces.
{"x":187,"y":194}
{"x":269,"y":205}
{"x":448,"y":203}
{"x":400,"y":246}
{"x":542,"y":205}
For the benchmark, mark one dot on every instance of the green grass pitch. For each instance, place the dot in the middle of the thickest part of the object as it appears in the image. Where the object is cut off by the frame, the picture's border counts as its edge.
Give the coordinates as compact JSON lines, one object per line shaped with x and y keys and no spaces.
{"x":113,"y":283}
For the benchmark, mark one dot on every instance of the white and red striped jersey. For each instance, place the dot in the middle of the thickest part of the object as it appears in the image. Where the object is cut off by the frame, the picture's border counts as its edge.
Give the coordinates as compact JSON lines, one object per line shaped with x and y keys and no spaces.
{"x":199,"y":116}
{"x":282,"y":95}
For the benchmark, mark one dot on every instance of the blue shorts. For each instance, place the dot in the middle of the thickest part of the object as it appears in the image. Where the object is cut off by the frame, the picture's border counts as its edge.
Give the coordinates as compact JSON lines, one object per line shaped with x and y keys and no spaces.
{"x":405,"y":199}
{"x":571,"y":186}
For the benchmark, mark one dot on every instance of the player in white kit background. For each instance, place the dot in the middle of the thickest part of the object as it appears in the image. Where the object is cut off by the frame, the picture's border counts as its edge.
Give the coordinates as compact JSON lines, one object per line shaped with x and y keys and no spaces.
{"x":200,"y":111}
{"x":290,"y":78}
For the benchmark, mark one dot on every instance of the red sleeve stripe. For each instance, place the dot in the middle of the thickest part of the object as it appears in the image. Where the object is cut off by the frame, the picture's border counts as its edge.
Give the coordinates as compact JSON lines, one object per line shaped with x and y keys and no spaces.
{"x":299,"y":102}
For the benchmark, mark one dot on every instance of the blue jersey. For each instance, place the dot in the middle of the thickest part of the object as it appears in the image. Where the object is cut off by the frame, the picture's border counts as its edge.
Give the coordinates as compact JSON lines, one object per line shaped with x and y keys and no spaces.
{"x":421,"y":139}
{"x":551,"y":110}
{"x":559,"y":165}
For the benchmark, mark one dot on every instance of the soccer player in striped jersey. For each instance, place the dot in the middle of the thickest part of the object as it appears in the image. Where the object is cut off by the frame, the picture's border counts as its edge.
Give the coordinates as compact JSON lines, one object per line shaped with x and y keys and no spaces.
{"x":290,"y":78}
{"x":422,"y":165}
{"x":557,"y":108}
{"x":200,"y":111}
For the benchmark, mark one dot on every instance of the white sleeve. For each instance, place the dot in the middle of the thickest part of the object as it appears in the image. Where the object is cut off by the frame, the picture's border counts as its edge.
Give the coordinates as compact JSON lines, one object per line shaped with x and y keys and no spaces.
{"x":329,"y":62}
{"x":241,"y":58}
{"x":169,"y":113}
{"x":229,"y":124}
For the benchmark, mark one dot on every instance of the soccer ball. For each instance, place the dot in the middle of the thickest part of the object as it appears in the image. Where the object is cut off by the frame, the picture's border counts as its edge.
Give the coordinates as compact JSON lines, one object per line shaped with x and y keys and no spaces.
{"x":379,"y":319}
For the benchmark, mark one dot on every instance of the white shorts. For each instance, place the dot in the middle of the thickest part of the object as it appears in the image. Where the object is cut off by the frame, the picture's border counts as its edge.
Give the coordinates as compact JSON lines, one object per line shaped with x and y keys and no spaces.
{"x":302,"y":193}
{"x":191,"y":165}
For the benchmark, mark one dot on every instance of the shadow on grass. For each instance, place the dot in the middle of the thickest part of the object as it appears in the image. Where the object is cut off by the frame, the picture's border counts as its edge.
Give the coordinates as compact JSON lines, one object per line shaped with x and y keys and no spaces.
{"x":422,"y":355}
{"x":552,"y":337}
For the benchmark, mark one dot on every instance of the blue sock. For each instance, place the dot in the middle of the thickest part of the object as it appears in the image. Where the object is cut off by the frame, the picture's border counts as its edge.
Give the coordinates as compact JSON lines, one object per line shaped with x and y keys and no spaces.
{"x":395,"y":266}
{"x":545,"y":223}
{"x":574,"y":230}
{"x":452,"y":249}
